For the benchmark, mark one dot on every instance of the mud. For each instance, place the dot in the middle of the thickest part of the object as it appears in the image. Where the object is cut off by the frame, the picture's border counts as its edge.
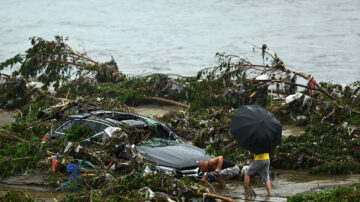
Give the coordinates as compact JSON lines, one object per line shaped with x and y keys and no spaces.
{"x":7,"y":117}
{"x":32,"y":185}
{"x":155,"y":110}
{"x":292,"y":130}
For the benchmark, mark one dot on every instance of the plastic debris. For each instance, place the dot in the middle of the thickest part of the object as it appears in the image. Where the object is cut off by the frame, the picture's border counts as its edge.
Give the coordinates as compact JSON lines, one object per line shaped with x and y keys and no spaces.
{"x":110,"y":131}
{"x":291,"y":98}
{"x":77,"y":149}
{"x":73,"y":170}
{"x":68,"y":146}
{"x":84,"y":165}
{"x":147,"y":171}
{"x":263,"y":77}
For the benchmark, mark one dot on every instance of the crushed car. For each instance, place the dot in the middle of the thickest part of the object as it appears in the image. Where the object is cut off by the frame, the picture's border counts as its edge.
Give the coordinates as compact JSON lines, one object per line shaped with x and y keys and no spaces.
{"x":150,"y":138}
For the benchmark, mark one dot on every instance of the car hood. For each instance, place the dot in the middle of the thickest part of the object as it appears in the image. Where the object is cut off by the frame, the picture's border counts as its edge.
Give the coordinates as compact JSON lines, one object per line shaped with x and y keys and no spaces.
{"x":177,"y":156}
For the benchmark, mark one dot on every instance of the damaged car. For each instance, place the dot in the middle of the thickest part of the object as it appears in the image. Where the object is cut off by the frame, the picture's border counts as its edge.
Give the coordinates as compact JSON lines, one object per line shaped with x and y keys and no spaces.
{"x":160,"y":145}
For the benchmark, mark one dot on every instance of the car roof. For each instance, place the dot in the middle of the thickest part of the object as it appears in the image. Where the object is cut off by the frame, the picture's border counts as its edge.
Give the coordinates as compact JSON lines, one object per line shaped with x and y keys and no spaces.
{"x":114,"y":118}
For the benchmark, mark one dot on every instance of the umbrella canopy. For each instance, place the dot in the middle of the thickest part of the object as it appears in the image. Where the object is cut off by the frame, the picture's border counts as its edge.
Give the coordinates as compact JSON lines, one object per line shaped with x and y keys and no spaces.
{"x":256,"y":129}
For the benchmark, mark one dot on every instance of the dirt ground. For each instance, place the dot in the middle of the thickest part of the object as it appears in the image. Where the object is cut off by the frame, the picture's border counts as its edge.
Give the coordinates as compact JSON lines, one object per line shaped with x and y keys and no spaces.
{"x":153,"y":110}
{"x":7,"y":117}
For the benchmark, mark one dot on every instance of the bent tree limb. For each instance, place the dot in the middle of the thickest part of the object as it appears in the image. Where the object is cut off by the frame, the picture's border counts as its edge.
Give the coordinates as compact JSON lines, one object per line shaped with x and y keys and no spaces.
{"x":7,"y":134}
{"x":317,"y":88}
{"x":317,"y":85}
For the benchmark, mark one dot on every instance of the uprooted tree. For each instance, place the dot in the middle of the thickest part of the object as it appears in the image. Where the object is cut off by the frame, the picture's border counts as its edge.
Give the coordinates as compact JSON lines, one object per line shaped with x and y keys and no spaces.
{"x":54,"y":61}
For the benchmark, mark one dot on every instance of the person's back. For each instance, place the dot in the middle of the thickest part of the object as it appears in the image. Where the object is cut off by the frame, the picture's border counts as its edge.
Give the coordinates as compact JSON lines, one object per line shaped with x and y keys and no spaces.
{"x":218,"y":169}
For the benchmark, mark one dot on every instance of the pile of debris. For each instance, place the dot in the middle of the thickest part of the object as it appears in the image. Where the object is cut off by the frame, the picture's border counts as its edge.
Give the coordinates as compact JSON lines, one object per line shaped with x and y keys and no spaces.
{"x":97,"y":162}
{"x":330,"y":111}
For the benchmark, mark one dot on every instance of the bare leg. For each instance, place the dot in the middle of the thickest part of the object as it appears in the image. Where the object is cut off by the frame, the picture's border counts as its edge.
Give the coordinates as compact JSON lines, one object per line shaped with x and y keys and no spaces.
{"x":246,"y":183}
{"x":268,"y":187}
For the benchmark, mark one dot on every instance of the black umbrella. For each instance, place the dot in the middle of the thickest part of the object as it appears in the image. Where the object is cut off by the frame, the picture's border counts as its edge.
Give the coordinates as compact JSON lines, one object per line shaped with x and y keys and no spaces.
{"x":256,"y":129}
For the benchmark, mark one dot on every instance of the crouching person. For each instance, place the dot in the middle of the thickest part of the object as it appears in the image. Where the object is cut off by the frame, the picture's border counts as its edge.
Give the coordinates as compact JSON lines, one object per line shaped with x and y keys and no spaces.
{"x":218,"y":169}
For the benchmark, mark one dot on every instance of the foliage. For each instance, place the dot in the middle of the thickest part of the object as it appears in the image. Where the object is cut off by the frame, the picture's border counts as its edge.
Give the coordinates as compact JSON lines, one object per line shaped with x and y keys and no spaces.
{"x":346,"y":193}
{"x":323,"y":148}
{"x":128,"y":188}
{"x":54,"y":61}
{"x":20,"y":145}
{"x":76,"y":133}
{"x":18,"y":157}
{"x":14,"y":93}
{"x":13,"y":196}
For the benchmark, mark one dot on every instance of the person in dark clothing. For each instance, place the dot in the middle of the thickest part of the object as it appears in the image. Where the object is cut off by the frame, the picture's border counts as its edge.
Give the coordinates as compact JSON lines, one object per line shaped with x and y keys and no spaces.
{"x":219,"y":169}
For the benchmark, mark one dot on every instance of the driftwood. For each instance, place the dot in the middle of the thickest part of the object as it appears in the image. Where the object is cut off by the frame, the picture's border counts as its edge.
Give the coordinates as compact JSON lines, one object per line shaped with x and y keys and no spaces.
{"x":224,"y":198}
{"x":168,"y":101}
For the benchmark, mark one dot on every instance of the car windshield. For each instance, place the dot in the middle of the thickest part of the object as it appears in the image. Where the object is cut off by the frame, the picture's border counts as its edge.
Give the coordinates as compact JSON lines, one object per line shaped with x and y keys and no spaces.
{"x":156,"y":142}
{"x":94,"y":125}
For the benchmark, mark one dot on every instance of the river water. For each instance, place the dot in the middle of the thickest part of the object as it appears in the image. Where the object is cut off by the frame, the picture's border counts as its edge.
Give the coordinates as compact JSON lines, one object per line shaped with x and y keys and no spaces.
{"x":319,"y":37}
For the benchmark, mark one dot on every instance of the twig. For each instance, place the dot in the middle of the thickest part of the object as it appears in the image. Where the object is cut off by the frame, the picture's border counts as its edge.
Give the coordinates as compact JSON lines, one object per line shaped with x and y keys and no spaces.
{"x":208,"y":183}
{"x":356,"y":112}
{"x":327,"y":115}
{"x":21,"y":114}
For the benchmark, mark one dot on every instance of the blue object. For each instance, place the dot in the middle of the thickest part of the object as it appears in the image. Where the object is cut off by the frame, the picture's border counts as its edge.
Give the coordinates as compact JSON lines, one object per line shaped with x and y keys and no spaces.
{"x":73,"y":170}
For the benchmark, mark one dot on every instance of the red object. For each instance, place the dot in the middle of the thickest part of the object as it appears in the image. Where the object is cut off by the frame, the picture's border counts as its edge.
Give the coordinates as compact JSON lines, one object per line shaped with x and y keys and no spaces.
{"x":46,"y":138}
{"x":311,"y":86}
{"x":54,"y":165}
{"x":110,"y":164}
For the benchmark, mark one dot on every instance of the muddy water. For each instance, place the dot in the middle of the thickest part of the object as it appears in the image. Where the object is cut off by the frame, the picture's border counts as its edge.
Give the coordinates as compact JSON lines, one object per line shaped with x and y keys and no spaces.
{"x":33,"y":185}
{"x":35,"y":192}
{"x":287,"y":183}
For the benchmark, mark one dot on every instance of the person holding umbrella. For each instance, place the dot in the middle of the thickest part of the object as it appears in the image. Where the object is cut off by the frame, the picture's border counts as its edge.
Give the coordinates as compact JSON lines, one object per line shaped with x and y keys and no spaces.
{"x":257,"y":130}
{"x":261,"y":166}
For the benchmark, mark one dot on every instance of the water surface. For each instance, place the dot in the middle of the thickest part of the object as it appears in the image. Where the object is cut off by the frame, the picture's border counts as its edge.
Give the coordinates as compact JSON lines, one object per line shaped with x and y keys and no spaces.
{"x":319,"y":37}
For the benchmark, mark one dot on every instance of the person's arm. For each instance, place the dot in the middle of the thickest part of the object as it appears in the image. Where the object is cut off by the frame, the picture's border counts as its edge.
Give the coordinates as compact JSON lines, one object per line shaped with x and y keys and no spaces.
{"x":220,"y":160}
{"x":221,"y":182}
{"x":204,"y":178}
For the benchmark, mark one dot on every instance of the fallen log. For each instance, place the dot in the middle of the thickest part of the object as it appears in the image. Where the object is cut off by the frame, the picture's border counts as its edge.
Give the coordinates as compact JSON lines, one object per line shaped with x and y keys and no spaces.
{"x":168,"y":101}
{"x":215,"y":196}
